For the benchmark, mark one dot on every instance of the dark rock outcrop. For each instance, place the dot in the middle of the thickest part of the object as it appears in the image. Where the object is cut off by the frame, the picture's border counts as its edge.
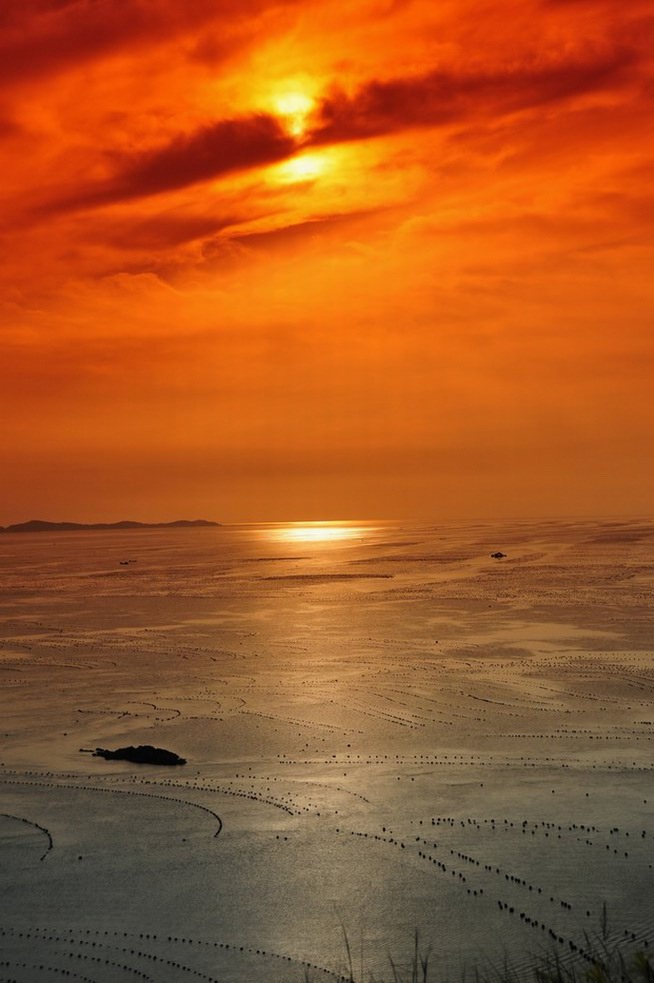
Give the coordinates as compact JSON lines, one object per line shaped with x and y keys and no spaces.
{"x":498,"y":555}
{"x":144,"y":754}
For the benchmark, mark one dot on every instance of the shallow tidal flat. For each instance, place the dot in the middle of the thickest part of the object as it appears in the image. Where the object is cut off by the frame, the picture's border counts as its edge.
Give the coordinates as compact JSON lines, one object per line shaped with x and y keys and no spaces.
{"x":386,"y":730}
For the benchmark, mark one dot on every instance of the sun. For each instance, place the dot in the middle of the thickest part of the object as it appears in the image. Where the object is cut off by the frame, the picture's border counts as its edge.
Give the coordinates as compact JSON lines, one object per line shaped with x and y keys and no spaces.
{"x":304,"y":167}
{"x":295,"y":108}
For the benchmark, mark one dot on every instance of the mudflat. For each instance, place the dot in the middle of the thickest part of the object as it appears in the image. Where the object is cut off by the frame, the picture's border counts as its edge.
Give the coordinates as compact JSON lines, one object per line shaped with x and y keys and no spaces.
{"x":386,"y":729}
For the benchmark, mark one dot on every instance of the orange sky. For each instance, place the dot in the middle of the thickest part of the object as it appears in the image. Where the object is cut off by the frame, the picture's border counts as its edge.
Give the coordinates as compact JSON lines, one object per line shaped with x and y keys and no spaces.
{"x":316,"y":259}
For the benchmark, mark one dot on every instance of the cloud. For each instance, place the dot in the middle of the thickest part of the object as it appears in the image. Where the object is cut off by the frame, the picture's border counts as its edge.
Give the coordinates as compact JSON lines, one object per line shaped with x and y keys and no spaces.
{"x":210,"y":152}
{"x":8,"y":128}
{"x":377,"y":108}
{"x":301,"y":235}
{"x":442,"y":96}
{"x":163,"y":232}
{"x":38,"y":37}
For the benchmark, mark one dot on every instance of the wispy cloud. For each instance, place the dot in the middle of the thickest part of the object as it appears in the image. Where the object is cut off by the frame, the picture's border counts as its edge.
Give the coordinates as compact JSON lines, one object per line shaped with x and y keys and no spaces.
{"x":444,"y":97}
{"x":39,"y":37}
{"x":209,"y":152}
{"x":448,"y":250}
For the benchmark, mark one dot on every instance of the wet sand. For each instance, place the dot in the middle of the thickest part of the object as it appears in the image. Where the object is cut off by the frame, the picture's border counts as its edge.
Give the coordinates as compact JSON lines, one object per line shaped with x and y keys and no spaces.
{"x":387,"y":732}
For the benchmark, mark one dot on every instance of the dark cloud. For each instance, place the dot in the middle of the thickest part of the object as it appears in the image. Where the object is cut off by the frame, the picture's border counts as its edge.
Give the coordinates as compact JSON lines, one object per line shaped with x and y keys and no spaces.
{"x":163,"y":231}
{"x":377,"y":108}
{"x":221,"y":148}
{"x":442,"y":96}
{"x":603,"y":5}
{"x":8,"y":127}
{"x":38,"y":37}
{"x":302,"y":234}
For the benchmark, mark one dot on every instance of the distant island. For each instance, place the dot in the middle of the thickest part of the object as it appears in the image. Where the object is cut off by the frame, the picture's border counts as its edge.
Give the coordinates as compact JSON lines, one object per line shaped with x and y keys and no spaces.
{"x":40,"y":525}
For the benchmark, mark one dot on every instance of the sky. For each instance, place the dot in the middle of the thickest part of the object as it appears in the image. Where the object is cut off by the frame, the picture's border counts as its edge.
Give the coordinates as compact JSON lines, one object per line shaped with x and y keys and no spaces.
{"x":310,"y":259}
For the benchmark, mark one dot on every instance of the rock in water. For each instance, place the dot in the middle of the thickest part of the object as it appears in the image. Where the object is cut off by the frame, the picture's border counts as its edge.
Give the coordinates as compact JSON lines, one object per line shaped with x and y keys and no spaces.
{"x":144,"y":754}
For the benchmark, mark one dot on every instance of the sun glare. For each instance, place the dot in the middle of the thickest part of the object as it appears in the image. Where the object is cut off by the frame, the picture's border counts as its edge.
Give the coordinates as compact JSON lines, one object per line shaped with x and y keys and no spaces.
{"x":295,"y":107}
{"x":306,"y":167}
{"x":317,"y":532}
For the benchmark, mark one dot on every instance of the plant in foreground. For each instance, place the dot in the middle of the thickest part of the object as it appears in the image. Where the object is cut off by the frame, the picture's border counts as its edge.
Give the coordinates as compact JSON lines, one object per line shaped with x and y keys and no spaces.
{"x":601,"y":961}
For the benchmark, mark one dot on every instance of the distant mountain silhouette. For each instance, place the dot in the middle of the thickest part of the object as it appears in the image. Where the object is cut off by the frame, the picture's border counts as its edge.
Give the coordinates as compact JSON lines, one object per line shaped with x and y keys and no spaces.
{"x":40,"y":525}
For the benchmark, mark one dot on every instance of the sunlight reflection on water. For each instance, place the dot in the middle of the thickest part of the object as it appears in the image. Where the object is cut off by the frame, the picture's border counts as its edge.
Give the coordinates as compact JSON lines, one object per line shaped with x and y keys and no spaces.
{"x":318,"y":532}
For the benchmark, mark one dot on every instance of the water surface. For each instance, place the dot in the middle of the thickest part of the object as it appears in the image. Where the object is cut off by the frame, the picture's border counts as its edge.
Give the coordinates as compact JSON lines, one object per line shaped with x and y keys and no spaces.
{"x":387,"y":729}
